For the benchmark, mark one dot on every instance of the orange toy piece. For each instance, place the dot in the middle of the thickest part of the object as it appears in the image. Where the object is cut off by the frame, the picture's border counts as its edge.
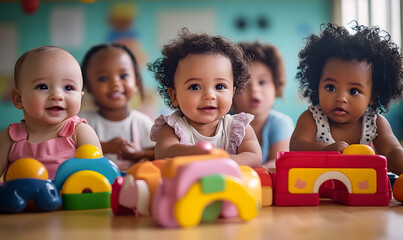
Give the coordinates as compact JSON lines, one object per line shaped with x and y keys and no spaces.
{"x":27,"y":168}
{"x":148,"y":172}
{"x":160,"y":162}
{"x":169,"y":170}
{"x":398,"y":189}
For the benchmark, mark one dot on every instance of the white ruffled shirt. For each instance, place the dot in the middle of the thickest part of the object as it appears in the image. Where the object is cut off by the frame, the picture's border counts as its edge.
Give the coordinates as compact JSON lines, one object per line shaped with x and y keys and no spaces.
{"x":229,"y":134}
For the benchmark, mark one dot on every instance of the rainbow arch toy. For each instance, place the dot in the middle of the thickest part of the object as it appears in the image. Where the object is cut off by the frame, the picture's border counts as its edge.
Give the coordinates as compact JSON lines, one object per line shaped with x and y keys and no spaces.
{"x":204,"y":187}
{"x":85,"y":181}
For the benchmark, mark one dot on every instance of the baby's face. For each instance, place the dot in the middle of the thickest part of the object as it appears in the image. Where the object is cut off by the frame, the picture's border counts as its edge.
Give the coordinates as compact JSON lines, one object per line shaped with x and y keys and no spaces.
{"x":111,"y":78}
{"x":345,"y":90}
{"x":259,"y":94}
{"x":50,"y":86}
{"x":204,"y":87}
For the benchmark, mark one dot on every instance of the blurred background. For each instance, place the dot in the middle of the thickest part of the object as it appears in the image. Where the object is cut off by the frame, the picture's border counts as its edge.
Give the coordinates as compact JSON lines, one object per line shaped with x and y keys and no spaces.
{"x":145,"y":25}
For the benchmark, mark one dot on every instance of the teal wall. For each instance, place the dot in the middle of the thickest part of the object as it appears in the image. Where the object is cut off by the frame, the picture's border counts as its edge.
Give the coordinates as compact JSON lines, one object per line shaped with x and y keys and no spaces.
{"x":290,"y":21}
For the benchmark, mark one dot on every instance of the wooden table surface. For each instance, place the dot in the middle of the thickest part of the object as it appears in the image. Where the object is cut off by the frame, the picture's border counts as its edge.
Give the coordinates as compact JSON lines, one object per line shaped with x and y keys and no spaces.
{"x":329,"y":220}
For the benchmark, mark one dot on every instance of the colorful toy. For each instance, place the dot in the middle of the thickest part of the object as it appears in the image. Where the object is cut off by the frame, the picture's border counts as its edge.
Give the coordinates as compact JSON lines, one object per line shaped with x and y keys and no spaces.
{"x":392,"y":178}
{"x":85,"y":181}
{"x":30,"y":6}
{"x":398,"y":189}
{"x":27,"y":180}
{"x":267,"y":186}
{"x":203,"y":187}
{"x":136,"y":190}
{"x":359,"y":180}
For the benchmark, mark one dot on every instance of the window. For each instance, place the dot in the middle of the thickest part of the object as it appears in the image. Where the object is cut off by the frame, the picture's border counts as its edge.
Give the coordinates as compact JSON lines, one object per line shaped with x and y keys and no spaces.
{"x":386,"y":14}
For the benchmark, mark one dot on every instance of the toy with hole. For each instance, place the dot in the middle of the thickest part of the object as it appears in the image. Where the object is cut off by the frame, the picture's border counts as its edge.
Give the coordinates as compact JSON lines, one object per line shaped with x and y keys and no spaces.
{"x":85,"y":181}
{"x":27,"y":180}
{"x":357,"y":177}
{"x":135,"y":191}
{"x":203,"y":187}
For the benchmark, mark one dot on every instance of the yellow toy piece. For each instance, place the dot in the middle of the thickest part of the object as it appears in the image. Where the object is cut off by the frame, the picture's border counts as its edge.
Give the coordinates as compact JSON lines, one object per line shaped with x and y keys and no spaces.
{"x":169,"y":169}
{"x":27,"y":168}
{"x":189,"y":209}
{"x":267,"y":196}
{"x":88,"y":151}
{"x":358,"y":149}
{"x":253,"y":185}
{"x":86,"y":179}
{"x":308,"y":180}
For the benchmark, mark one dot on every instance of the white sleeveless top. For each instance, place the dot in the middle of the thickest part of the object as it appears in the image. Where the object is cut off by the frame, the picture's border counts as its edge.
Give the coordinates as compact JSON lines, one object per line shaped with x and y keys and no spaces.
{"x":228,"y":136}
{"x":324,"y":135}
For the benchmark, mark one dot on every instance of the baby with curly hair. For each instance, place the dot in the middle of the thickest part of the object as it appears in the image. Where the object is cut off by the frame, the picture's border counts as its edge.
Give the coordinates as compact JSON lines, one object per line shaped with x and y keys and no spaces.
{"x":267,"y":81}
{"x":198,"y":76}
{"x":349,"y":79}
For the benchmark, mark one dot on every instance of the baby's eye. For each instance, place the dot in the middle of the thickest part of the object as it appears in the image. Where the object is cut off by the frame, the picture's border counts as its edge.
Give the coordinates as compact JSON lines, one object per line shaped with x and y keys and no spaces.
{"x":330,"y":88}
{"x":103,"y":79}
{"x":220,"y":87}
{"x":262,"y":82}
{"x":354,"y":91}
{"x":69,"y":88}
{"x":124,"y":76}
{"x":194,"y":87}
{"x":41,"y":86}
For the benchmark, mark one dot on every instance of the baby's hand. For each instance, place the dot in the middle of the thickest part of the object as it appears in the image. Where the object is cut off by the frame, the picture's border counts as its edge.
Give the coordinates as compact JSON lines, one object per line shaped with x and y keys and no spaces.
{"x":338,"y":146}
{"x":114,"y":145}
{"x":129,"y":151}
{"x":204,"y":147}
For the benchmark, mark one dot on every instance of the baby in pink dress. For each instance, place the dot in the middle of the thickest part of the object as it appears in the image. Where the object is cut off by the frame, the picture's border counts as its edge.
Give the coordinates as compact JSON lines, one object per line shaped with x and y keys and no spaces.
{"x":48,"y":89}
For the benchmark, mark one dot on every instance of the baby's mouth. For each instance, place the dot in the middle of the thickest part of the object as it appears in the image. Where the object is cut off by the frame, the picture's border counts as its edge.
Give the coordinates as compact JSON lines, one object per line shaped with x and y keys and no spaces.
{"x":116,"y":95}
{"x":208,"y":108}
{"x":55,"y":109}
{"x":255,"y":102}
{"x":339,"y":111}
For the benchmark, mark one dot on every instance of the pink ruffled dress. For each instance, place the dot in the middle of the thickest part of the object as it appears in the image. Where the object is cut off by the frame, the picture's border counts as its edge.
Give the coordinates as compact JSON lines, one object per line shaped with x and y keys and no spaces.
{"x":229,"y":133}
{"x":50,"y":153}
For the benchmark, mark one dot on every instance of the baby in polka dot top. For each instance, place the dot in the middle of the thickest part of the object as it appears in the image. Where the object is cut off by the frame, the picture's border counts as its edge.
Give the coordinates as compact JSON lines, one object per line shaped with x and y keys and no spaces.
{"x":350,"y":79}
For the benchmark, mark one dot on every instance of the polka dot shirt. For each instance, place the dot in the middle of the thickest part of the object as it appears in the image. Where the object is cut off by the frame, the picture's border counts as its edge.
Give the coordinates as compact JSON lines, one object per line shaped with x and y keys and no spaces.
{"x":323,"y":134}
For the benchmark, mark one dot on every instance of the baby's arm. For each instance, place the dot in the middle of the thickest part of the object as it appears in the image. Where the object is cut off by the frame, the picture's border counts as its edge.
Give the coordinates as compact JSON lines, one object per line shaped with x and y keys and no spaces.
{"x":168,"y":146}
{"x":249,"y":152}
{"x":303,"y":138}
{"x":5,"y":144}
{"x":387,"y":144}
{"x":84,"y":134}
{"x":281,"y":146}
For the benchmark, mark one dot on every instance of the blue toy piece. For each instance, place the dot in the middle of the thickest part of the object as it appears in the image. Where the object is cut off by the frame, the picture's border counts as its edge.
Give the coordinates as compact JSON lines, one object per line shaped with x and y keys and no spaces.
{"x":392,"y":178}
{"x":76,"y":176}
{"x":14,"y":195}
{"x":73,"y":165}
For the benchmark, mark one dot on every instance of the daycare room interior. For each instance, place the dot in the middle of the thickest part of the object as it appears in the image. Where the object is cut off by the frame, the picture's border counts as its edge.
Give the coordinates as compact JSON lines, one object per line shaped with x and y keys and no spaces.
{"x":77,"y":25}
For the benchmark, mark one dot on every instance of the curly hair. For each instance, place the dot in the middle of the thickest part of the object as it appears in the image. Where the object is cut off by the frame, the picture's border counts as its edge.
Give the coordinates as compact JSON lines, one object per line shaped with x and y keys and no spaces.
{"x":270,"y":56}
{"x":367,"y":44}
{"x":189,"y":43}
{"x":97,"y":48}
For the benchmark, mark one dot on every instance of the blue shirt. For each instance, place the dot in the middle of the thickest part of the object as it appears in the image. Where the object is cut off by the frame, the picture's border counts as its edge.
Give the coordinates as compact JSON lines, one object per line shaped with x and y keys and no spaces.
{"x":278,"y":127}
